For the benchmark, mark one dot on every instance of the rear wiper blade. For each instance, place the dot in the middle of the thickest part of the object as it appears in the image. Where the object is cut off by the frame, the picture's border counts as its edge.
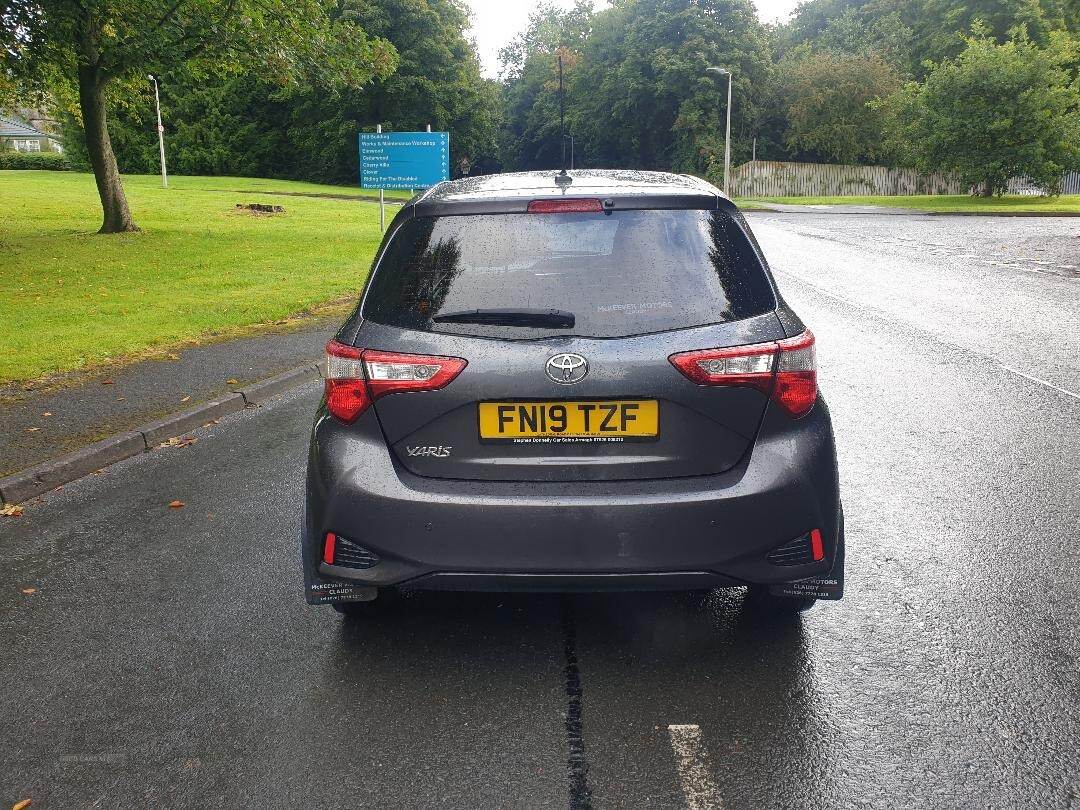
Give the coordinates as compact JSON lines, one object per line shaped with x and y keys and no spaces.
{"x":539,"y":318}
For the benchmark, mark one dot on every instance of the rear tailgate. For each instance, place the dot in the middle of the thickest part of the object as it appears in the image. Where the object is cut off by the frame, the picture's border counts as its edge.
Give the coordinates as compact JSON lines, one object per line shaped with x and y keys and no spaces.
{"x":630,"y":287}
{"x":699,"y":430}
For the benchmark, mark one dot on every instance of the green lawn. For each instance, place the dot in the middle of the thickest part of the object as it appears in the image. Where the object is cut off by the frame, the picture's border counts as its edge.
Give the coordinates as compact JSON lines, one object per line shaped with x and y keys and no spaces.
{"x":199,"y":269}
{"x":941,"y":204}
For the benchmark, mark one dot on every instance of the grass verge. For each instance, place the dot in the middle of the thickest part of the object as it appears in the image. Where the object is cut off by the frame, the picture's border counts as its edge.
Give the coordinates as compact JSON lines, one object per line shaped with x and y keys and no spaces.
{"x":198,"y":270}
{"x":944,"y":204}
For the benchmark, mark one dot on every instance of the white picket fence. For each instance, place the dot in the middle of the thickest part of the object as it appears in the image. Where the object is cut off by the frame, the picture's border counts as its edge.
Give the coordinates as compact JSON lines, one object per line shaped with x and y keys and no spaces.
{"x":769,"y":178}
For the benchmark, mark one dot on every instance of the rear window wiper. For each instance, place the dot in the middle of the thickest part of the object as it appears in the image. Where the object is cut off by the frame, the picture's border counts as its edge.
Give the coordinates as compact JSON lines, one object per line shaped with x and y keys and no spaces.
{"x":539,"y":318}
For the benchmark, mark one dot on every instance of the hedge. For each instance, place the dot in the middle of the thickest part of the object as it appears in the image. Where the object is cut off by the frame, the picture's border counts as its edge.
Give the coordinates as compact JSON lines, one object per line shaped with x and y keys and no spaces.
{"x":34,"y":160}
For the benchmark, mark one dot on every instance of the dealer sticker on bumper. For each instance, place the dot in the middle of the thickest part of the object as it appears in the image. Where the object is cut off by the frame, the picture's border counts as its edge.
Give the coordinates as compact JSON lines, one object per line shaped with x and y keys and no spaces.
{"x":829,"y":587}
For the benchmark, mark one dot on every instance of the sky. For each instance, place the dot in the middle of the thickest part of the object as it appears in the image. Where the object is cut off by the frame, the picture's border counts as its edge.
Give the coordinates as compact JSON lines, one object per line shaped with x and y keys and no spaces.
{"x":496,"y":22}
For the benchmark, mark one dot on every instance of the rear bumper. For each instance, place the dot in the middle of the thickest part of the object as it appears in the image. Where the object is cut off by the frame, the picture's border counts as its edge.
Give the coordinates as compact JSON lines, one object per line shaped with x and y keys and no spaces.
{"x":682,"y":533}
{"x":562,"y":583}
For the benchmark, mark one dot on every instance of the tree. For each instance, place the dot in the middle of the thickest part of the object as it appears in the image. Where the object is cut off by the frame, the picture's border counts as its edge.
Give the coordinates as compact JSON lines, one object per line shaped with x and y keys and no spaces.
{"x":637,"y":93}
{"x":94,"y":46}
{"x":648,"y":100}
{"x":941,"y":26}
{"x":438,"y":80}
{"x":826,"y":98}
{"x":908,"y":33}
{"x":869,"y":33}
{"x":530,"y":136}
{"x":9,"y":94}
{"x":994,"y":112}
{"x":246,"y":124}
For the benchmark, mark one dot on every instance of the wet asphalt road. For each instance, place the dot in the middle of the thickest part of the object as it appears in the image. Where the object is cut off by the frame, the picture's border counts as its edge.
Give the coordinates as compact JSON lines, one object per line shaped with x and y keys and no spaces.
{"x":166,"y":657}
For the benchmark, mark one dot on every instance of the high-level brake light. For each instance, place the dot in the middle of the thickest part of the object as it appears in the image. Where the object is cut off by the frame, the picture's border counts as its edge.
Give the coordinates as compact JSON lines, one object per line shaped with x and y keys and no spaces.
{"x":357,"y":377}
{"x":564,"y":206}
{"x":786,"y":370}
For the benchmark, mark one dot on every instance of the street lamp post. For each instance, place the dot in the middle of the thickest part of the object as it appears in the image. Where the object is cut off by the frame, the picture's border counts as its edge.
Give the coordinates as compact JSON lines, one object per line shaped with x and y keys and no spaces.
{"x":160,"y":132}
{"x":727,"y":130}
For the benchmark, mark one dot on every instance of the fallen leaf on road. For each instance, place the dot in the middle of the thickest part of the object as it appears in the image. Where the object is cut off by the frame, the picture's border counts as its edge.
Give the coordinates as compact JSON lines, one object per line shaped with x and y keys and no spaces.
{"x":231,"y":381}
{"x":175,"y":504}
{"x":11,"y":510}
{"x":21,"y":805}
{"x":29,"y":590}
{"x":47,"y":413}
{"x":119,"y":399}
{"x":177,"y":441}
{"x":106,"y":382}
{"x":31,"y":430}
{"x":184,"y":399}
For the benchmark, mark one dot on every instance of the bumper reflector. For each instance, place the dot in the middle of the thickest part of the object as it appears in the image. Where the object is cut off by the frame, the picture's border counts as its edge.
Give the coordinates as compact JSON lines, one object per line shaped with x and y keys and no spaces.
{"x":342,"y":552}
{"x":802,"y":550}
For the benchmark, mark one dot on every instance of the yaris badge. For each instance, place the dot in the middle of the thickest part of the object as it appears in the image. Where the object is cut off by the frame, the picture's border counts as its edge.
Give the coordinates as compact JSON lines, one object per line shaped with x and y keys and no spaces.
{"x":566,"y":369}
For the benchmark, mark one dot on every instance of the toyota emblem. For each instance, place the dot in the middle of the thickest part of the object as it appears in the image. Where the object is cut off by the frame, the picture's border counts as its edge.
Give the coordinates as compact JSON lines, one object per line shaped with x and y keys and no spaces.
{"x":566,"y":369}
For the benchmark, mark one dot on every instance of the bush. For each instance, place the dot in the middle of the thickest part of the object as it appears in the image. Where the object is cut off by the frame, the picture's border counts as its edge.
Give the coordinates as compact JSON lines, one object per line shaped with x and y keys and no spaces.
{"x":34,"y":160}
{"x":994,"y":112}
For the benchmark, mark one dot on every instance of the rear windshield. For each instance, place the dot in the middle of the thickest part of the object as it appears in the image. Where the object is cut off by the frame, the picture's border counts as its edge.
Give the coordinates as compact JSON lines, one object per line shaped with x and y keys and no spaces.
{"x":620,"y":273}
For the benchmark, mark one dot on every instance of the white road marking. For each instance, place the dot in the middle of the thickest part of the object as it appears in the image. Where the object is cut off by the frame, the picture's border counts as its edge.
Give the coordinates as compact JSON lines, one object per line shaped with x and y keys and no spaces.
{"x":692,"y":767}
{"x":1041,"y":381}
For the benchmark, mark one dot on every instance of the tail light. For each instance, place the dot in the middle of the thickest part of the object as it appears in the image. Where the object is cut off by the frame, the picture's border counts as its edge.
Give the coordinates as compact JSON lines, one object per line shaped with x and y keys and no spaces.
{"x":389,"y":373}
{"x":357,"y":377}
{"x":796,"y":374}
{"x":346,"y":392}
{"x":786,"y":370}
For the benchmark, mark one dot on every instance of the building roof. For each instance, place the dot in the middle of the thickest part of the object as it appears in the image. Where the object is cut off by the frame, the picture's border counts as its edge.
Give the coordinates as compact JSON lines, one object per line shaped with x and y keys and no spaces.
{"x":14,"y":128}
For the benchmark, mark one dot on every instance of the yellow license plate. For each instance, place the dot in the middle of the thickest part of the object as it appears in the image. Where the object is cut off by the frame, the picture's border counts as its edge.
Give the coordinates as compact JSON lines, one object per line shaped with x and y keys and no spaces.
{"x":571,"y":421}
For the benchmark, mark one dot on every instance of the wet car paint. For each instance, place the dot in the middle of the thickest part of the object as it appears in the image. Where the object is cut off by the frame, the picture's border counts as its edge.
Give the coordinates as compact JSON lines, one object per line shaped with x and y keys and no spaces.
{"x":731,"y":477}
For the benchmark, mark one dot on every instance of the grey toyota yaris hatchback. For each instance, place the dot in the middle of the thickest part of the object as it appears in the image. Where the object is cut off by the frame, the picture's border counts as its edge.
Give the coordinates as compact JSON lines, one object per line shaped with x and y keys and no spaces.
{"x":571,"y":382}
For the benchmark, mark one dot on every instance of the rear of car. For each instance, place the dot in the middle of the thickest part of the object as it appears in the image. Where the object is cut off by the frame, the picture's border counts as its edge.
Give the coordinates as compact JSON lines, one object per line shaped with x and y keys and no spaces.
{"x":552,"y":388}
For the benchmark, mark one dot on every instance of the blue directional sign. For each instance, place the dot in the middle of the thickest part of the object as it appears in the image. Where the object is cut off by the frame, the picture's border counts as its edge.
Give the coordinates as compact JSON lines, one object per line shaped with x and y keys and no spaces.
{"x":404,"y":159}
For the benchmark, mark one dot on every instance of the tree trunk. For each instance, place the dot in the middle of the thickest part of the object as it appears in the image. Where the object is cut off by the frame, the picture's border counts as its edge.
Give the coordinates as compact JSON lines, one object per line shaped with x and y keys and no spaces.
{"x":117,"y":217}
{"x":988,"y":188}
